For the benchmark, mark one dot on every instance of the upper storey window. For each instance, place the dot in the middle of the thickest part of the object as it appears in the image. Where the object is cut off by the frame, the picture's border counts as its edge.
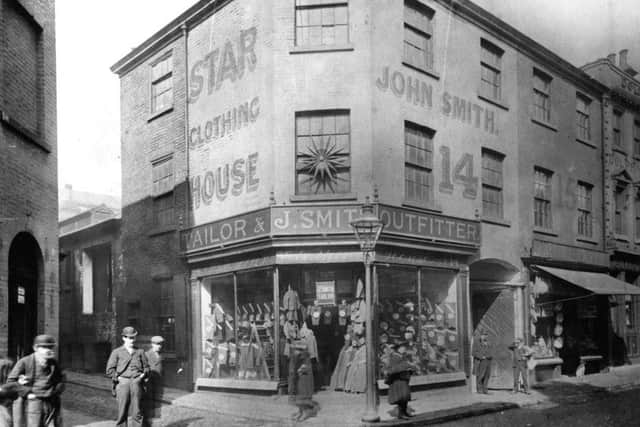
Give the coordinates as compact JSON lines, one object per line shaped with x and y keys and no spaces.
{"x":541,"y":96}
{"x":162,"y":84}
{"x":583,"y":121}
{"x":321,"y":23}
{"x":491,"y":70}
{"x":418,"y":36}
{"x":617,"y":129}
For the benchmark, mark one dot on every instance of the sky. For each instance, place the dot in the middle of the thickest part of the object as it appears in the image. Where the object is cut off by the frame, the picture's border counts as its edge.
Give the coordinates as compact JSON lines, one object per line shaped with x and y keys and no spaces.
{"x":92,"y":35}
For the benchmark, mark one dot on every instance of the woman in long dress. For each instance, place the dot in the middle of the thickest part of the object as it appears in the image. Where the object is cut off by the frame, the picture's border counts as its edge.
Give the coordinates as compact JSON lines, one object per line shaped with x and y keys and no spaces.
{"x":339,"y":376}
{"x":357,"y":375}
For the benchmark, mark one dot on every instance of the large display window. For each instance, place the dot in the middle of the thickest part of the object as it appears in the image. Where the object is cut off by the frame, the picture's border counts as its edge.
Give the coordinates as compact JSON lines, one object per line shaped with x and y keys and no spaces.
{"x":238,"y":326}
{"x":417,"y":310}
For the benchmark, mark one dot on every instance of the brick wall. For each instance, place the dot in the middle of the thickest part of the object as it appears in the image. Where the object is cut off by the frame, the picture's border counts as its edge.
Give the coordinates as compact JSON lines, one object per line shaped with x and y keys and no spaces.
{"x":28,"y":176}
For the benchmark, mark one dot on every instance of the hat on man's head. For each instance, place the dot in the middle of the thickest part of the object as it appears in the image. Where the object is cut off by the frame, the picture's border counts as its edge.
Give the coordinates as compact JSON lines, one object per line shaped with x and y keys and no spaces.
{"x":44,"y":341}
{"x":157,"y":339}
{"x":129,"y":331}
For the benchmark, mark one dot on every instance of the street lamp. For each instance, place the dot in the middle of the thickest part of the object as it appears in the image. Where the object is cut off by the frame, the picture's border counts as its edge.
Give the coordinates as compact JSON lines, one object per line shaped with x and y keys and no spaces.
{"x":367,"y":229}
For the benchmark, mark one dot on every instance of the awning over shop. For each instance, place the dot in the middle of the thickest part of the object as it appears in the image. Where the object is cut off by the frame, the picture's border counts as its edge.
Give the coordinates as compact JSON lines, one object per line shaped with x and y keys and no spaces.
{"x":598,"y":283}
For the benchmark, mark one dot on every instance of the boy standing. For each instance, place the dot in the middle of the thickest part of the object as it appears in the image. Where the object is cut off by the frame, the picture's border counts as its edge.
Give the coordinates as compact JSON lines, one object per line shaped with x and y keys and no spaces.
{"x":40,"y":382}
{"x":482,"y":355}
{"x":154,"y":381}
{"x":521,"y":354}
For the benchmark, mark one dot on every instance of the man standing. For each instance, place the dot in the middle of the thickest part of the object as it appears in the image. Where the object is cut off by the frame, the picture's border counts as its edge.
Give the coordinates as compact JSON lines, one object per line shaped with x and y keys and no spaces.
{"x":127,"y":366}
{"x":521,"y":354}
{"x":40,"y":382}
{"x":482,"y":355}
{"x":154,"y":381}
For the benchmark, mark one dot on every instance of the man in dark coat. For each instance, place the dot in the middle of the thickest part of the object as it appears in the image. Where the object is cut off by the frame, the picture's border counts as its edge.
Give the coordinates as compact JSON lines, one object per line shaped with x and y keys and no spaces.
{"x":39,"y":381}
{"x":127,"y":366}
{"x":482,"y":356}
{"x":154,"y":393}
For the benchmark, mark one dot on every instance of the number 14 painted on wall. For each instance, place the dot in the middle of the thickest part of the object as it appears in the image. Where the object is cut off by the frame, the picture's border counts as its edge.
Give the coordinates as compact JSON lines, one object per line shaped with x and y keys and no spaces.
{"x":462,"y":174}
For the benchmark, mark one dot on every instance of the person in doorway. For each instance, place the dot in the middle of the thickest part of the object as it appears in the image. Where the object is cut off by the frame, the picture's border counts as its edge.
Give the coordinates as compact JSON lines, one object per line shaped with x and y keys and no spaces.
{"x":127,"y":366}
{"x":307,"y":407}
{"x":153,"y":400}
{"x":521,"y":355}
{"x":482,"y":356}
{"x":40,"y":382}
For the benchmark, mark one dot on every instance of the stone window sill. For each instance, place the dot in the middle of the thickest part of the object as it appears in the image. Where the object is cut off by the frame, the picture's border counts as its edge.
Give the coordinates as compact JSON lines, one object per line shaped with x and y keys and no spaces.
{"x":318,"y":49}
{"x":159,"y":113}
{"x":497,"y":102}
{"x":545,"y":231}
{"x":586,"y":239}
{"x":547,"y":125}
{"x":158,"y":231}
{"x":433,"y":207}
{"x":496,"y":221}
{"x":431,"y":73}
{"x":586,"y":142}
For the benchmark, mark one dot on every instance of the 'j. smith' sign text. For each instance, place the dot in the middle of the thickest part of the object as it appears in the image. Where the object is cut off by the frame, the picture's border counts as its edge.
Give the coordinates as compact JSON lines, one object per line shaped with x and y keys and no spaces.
{"x":323,"y":220}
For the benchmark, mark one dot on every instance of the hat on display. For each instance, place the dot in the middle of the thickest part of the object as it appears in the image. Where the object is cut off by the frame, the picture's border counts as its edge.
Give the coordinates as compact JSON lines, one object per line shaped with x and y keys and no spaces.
{"x":558,"y":342}
{"x":384,"y":338}
{"x":410,"y":329}
{"x":384,"y":325}
{"x":129,"y":331}
{"x":559,"y":317}
{"x":157,"y":339}
{"x":44,"y":341}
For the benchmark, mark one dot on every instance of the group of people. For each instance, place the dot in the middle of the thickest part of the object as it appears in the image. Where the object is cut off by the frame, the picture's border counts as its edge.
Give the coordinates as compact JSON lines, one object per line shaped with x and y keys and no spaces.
{"x":31,"y":389}
{"x":483,"y":355}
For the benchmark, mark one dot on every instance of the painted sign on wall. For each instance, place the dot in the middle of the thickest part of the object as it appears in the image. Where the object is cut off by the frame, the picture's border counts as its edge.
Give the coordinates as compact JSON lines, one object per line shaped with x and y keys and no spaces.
{"x":419,"y":92}
{"x":327,"y":220}
{"x":228,"y":139}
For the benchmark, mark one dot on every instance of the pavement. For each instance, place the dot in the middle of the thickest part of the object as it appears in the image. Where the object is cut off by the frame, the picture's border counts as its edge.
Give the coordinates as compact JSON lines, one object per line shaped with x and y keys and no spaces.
{"x":346,"y":409}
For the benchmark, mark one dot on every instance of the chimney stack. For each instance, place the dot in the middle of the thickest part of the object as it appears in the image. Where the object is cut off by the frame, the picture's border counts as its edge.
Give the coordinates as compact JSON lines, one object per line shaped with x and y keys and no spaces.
{"x":612,"y":58}
{"x":624,"y":64}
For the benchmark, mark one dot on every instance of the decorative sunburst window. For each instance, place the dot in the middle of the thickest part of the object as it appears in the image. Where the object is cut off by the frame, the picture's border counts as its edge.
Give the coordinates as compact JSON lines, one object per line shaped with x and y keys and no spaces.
{"x":322,"y":165}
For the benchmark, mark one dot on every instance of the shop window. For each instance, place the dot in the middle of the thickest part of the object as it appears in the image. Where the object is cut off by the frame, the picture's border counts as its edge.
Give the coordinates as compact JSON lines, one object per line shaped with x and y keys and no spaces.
{"x":162,"y":84}
{"x":418,"y":35}
{"x":617,"y":129}
{"x":636,"y":138}
{"x":585,"y":214}
{"x":541,"y":95}
{"x":492,"y":198}
{"x":87,"y":283}
{"x":630,"y":304}
{"x":321,"y":23}
{"x":583,"y":121}
{"x":542,"y":198}
{"x":619,"y":202}
{"x":323,"y":152}
{"x":238,"y":340}
{"x":424,"y":317}
{"x":167,"y":320}
{"x":491,"y":70}
{"x":418,"y":163}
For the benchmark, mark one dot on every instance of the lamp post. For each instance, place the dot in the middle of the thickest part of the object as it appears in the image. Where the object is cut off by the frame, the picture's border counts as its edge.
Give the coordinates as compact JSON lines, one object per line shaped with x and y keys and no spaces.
{"x":367,"y":229}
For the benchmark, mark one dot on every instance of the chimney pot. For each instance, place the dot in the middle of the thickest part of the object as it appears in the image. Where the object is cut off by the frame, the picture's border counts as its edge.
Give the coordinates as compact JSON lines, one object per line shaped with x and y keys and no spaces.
{"x":623,"y":58}
{"x":612,"y":58}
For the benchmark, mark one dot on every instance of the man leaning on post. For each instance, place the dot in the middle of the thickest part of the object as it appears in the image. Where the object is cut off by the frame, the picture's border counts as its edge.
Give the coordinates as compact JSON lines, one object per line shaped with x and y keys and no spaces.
{"x":127,"y":366}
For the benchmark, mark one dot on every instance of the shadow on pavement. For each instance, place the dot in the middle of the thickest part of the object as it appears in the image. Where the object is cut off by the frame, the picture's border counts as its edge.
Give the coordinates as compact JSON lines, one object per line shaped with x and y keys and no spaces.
{"x":567,"y":392}
{"x":183,"y":423}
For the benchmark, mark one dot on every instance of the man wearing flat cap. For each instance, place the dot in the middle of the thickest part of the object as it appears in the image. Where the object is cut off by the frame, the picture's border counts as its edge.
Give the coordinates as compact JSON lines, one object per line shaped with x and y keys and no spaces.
{"x":40,"y":382}
{"x":153,"y":398}
{"x":128,"y":367}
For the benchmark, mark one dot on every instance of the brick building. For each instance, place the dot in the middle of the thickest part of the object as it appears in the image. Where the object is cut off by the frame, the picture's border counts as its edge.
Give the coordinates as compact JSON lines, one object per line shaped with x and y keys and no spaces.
{"x":480,"y":149}
{"x":90,"y":266}
{"x":28,"y":175}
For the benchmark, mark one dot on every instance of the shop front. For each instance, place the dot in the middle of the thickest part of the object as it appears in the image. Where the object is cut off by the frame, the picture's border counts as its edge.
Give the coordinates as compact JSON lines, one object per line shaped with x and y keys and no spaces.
{"x":298,"y":278}
{"x":571,"y":316}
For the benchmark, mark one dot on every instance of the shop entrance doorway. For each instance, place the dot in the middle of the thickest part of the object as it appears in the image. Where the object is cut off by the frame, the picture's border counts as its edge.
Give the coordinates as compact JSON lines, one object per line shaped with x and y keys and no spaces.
{"x":493,"y":311}
{"x":25,"y":266}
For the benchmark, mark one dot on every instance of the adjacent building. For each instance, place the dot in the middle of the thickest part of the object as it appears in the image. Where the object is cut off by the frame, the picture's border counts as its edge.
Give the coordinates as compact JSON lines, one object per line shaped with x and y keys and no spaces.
{"x":253,"y":132}
{"x":28,"y":175}
{"x":90,"y":272}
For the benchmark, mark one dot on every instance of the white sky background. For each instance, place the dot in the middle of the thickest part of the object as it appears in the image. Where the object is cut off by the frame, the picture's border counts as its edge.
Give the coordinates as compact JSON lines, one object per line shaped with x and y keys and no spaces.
{"x":93,"y":34}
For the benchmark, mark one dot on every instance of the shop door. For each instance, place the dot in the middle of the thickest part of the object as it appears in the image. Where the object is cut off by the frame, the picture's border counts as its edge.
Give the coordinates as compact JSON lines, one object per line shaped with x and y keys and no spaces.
{"x":493,"y":312}
{"x":23,"y":285}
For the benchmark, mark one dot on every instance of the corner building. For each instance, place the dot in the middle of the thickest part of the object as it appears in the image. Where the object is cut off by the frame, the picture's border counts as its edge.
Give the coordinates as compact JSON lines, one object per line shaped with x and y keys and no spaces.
{"x":258,"y":129}
{"x":28,"y":176}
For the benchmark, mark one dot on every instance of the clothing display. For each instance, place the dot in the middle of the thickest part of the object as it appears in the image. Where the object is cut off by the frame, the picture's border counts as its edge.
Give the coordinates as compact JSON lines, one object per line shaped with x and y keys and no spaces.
{"x":356,"y":380}
{"x":291,"y":304}
{"x":339,"y":376}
